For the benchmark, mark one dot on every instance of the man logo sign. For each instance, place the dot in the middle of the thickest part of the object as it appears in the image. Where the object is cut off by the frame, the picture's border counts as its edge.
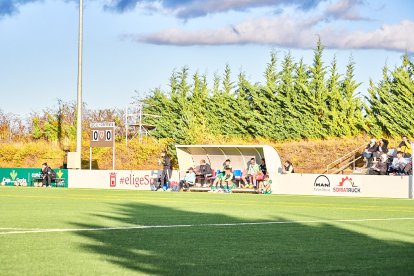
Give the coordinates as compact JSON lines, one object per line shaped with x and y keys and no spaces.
{"x":322,"y":184}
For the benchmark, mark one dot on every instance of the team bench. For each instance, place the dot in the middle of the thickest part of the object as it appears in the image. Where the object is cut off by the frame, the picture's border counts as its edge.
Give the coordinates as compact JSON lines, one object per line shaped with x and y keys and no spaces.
{"x":55,"y":182}
{"x":235,"y":190}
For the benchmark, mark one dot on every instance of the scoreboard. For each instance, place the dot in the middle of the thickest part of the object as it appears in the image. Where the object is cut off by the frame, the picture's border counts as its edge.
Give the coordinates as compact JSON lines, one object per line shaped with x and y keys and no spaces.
{"x":102,"y":134}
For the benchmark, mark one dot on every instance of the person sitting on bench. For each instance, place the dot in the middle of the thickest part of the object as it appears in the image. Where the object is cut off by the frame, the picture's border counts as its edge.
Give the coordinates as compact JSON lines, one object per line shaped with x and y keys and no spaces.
{"x":47,"y":174}
{"x":253,"y":170}
{"x":266,"y":185}
{"x":225,"y":182}
{"x":220,"y":176}
{"x":189,"y":179}
{"x":203,"y":172}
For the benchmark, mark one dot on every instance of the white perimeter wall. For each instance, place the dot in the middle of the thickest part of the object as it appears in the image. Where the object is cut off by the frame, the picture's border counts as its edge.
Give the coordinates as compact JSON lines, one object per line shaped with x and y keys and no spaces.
{"x":343,"y":185}
{"x":301,"y":184}
{"x":109,"y":179}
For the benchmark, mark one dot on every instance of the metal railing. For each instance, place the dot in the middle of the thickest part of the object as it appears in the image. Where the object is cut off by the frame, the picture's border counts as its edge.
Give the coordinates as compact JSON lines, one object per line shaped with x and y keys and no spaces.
{"x":341,"y":169}
{"x":347,"y":157}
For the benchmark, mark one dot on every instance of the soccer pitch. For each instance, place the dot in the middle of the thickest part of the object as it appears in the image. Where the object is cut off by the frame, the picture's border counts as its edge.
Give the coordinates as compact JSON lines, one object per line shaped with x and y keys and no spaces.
{"x":117,"y":232}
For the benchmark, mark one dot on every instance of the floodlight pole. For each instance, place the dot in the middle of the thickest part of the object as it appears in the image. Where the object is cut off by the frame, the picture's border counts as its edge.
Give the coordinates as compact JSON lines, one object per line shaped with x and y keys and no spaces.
{"x":79,"y":96}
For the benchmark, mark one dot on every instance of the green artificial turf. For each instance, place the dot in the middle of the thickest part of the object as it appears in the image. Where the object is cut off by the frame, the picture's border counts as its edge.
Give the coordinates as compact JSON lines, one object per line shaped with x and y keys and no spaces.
{"x":208,"y":234}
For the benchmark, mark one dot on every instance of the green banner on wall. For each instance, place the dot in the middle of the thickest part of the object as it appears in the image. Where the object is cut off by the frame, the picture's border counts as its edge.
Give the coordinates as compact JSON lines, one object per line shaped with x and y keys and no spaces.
{"x":30,"y":177}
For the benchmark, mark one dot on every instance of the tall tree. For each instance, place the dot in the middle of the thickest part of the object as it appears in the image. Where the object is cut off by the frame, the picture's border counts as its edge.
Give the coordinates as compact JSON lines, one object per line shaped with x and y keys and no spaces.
{"x":351,"y":115}
{"x":265,"y":101}
{"x":289,"y":126}
{"x":245,"y":114}
{"x":333,"y":102}
{"x":317,"y":96}
{"x":392,"y":100}
{"x":303,"y":111}
{"x":223,"y":114}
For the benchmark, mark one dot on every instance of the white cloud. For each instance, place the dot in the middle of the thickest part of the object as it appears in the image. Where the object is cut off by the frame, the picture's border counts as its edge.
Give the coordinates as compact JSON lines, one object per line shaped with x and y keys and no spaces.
{"x":278,"y":30}
{"x":291,"y":32}
{"x":398,"y":37}
{"x":198,"y":8}
{"x":345,"y":9}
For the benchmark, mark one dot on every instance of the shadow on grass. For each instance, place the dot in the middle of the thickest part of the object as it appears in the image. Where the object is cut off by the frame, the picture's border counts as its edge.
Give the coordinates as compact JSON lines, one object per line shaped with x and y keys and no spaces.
{"x":243,"y":249}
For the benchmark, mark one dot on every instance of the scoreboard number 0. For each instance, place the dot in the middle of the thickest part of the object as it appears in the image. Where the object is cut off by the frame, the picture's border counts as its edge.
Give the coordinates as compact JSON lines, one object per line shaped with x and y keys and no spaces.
{"x":95,"y":135}
{"x":108,"y":136}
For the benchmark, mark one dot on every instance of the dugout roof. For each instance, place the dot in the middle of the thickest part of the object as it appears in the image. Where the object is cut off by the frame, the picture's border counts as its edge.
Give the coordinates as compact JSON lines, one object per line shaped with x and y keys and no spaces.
{"x":215,"y":155}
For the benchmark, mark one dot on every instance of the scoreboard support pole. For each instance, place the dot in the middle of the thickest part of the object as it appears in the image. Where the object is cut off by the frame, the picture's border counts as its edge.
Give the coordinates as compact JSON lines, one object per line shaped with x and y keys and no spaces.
{"x":102,"y":135}
{"x":113,"y":158}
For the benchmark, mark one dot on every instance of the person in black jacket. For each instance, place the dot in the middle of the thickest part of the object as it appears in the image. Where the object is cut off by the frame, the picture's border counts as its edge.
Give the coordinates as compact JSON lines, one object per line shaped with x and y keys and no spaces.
{"x":288,"y":168}
{"x":263,"y":167}
{"x":203,"y":171}
{"x":166,"y":170}
{"x":382,"y":148}
{"x":47,"y":174}
{"x":383,"y":145}
{"x":369,"y":152}
{"x":381,"y":167}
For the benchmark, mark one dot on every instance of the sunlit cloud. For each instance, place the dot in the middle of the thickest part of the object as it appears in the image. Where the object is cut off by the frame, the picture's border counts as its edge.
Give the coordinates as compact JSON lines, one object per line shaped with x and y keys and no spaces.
{"x":345,"y":9}
{"x":398,"y":37}
{"x":255,"y":31}
{"x":186,"y":9}
{"x":286,"y":31}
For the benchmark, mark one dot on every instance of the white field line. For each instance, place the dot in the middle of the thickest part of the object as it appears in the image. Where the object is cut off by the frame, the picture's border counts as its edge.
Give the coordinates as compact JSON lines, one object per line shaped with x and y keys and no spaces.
{"x":13,"y":228}
{"x":28,"y":231}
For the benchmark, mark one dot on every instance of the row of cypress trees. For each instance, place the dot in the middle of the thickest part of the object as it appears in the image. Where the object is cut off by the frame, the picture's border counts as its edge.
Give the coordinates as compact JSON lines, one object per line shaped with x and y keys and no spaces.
{"x":298,"y":101}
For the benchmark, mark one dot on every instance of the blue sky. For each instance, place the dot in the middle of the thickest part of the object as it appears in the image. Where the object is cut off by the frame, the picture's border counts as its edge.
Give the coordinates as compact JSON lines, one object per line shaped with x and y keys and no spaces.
{"x":134,"y":45}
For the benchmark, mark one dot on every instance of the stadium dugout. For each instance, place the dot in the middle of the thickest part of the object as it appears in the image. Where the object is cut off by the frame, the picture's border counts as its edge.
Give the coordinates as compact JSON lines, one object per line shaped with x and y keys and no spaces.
{"x":190,"y":156}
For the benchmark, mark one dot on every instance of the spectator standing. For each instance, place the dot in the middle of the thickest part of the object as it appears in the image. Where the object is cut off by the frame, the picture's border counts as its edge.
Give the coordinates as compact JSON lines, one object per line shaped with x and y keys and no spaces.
{"x":405,"y":147}
{"x":189,"y":179}
{"x":288,"y":167}
{"x":166,"y":170}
